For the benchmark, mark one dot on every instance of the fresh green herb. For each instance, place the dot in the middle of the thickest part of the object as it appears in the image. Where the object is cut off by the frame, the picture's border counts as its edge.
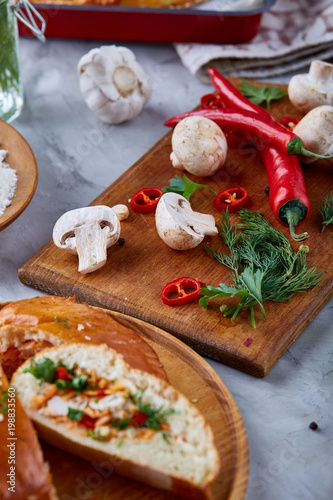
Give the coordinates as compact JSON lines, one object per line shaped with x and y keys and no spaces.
{"x":3,"y":405}
{"x":79,"y":382}
{"x":326,"y":211}
{"x":74,"y":415}
{"x":63,"y":322}
{"x":45,"y":369}
{"x":258,"y":95}
{"x":122,"y":424}
{"x":166,"y":437}
{"x":263,"y":263}
{"x":97,"y":435}
{"x":155,"y":416}
{"x":184,"y":187}
{"x":9,"y":65}
{"x":62,"y":384}
{"x":120,"y":442}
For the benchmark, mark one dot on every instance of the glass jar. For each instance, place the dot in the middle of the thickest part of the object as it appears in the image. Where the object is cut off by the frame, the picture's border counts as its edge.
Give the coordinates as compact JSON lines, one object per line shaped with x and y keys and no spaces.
{"x":11,"y":91}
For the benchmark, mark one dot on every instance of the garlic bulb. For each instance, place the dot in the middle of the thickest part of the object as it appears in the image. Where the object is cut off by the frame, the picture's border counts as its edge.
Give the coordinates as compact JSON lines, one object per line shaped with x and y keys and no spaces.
{"x":113,"y":83}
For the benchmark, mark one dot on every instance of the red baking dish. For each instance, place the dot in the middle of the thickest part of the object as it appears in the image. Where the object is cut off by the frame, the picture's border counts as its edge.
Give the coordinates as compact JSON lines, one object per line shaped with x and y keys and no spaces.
{"x":149,"y":25}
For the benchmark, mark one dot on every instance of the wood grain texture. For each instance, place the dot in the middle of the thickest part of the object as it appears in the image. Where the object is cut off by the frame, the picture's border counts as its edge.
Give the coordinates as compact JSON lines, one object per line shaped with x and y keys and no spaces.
{"x":136,"y":272}
{"x":20,"y":158}
{"x":193,"y":376}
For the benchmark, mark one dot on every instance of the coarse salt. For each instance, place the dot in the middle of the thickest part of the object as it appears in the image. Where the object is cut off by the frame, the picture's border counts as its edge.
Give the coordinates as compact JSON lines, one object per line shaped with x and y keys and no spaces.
{"x":8,"y":181}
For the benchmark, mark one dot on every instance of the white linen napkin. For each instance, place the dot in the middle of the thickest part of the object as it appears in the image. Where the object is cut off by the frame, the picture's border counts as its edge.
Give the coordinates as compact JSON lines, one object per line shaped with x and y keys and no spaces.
{"x":292,"y":34}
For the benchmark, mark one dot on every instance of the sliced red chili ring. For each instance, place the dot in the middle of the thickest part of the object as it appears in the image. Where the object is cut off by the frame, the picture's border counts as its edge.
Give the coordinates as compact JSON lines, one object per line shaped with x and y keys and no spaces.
{"x":181,"y":291}
{"x":139,"y":419}
{"x":232,"y":198}
{"x":289,"y":121}
{"x":88,"y":421}
{"x":145,"y":200}
{"x":209,"y":101}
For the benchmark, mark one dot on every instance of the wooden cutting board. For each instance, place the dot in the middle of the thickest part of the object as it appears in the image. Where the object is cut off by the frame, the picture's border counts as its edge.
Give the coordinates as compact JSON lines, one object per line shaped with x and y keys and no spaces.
{"x":135,"y":273}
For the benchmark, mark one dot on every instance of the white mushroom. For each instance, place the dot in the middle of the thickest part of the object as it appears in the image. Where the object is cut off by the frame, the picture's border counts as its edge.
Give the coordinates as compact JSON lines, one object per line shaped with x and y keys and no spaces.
{"x":309,"y":90}
{"x":87,"y":231}
{"x":199,"y":146}
{"x":113,"y":83}
{"x":179,"y":226}
{"x":316,"y":131}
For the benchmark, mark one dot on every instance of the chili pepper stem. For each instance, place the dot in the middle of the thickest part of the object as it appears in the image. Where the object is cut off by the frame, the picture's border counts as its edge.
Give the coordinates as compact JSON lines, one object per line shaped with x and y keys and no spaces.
{"x":296,"y":147}
{"x":293,"y":218}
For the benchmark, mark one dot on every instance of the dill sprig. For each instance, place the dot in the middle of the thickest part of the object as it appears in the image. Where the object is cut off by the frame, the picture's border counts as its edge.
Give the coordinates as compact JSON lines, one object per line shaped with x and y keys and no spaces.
{"x":326,"y":211}
{"x":263,"y":263}
{"x":9,"y":65}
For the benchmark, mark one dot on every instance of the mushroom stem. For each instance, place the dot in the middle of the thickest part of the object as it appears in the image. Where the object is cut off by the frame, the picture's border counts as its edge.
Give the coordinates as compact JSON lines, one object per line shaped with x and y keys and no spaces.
{"x":320,"y":71}
{"x":91,"y":247}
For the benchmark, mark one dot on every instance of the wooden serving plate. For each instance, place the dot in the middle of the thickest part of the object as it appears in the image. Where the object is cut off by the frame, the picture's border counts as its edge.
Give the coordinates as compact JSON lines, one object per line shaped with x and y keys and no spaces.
{"x":20,"y":158}
{"x":135,"y":273}
{"x":193,"y":376}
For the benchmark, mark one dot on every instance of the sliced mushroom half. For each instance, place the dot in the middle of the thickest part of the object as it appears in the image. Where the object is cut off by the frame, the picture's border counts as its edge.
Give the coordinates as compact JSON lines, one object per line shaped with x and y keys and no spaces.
{"x":179,"y":226}
{"x":87,"y":232}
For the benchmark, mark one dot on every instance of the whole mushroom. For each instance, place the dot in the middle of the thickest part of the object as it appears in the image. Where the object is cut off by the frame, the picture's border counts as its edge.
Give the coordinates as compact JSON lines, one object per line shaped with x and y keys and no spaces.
{"x":316,"y":131}
{"x":113,"y":83}
{"x":179,"y":226}
{"x":87,"y":232}
{"x":309,"y":90}
{"x":198,"y":146}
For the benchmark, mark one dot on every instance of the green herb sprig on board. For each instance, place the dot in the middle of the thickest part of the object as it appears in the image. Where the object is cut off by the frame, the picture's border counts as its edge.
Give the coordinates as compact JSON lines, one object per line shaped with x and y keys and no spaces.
{"x":184,"y":186}
{"x":264,"y":94}
{"x":263,"y":263}
{"x":326,"y":210}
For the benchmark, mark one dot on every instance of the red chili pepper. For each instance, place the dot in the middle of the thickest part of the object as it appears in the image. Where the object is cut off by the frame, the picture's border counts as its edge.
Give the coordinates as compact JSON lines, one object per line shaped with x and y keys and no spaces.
{"x":287,"y":191}
{"x":88,"y":421}
{"x":236,"y":138}
{"x":145,"y":200}
{"x":210,"y":101}
{"x":62,"y":374}
{"x":100,"y":393}
{"x":181,"y":291}
{"x":232,"y":199}
{"x":289,"y":121}
{"x":230,"y":96}
{"x":139,"y":419}
{"x":258,"y":125}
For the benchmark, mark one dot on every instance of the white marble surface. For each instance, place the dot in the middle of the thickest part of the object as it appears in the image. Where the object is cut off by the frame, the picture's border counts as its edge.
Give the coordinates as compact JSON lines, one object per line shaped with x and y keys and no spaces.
{"x":78,"y":157}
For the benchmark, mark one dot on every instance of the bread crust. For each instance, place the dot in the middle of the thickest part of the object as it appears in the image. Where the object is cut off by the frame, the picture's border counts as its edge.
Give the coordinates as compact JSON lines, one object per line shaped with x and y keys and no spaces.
{"x":59,"y":436}
{"x":29,"y":325}
{"x":30,"y":478}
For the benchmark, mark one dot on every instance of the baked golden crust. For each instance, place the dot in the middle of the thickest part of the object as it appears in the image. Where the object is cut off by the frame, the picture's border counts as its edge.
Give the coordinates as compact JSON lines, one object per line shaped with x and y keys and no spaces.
{"x":29,"y":325}
{"x":20,"y":450}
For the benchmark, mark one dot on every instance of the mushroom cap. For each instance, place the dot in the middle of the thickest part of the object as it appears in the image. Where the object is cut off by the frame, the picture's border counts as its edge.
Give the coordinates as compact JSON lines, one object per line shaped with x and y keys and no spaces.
{"x":306,"y":91}
{"x":178,"y":225}
{"x":64,"y":228}
{"x":316,"y":131}
{"x":199,"y":146}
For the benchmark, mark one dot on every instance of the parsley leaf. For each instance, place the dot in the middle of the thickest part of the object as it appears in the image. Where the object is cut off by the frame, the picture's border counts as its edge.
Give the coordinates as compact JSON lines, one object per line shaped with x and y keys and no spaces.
{"x":74,"y":415}
{"x":185,"y":187}
{"x":258,"y":95}
{"x":44,"y":369}
{"x":3,"y":405}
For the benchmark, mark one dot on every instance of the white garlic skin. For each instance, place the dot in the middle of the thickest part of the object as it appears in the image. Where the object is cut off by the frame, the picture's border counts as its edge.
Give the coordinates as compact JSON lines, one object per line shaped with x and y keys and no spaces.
{"x":113,"y":83}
